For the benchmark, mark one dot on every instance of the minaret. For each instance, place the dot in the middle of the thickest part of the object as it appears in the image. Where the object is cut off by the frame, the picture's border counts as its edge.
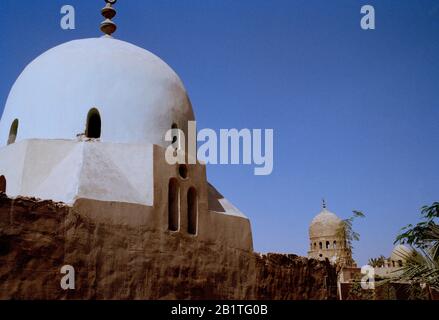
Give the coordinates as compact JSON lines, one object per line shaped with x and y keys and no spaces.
{"x":107,"y":26}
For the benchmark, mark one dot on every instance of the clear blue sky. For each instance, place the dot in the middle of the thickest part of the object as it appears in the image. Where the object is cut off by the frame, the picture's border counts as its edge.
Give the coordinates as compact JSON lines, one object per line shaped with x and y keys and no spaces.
{"x":355,"y":113}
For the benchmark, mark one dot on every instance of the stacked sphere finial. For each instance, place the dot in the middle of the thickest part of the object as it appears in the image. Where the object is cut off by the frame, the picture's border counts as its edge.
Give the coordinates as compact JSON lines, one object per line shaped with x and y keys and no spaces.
{"x":108,"y":12}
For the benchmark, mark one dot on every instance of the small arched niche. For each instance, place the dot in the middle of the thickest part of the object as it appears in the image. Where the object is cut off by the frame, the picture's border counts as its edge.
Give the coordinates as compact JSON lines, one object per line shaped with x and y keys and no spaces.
{"x":93,"y":128}
{"x":2,"y":184}
{"x":192,"y":211}
{"x":173,"y":205}
{"x":13,"y":131}
{"x":175,"y":137}
{"x":183,"y":171}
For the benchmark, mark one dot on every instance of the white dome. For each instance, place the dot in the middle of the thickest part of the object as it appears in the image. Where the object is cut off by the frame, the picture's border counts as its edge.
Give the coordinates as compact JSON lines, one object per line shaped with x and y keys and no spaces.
{"x":138,"y":96}
{"x":401,"y":252}
{"x":325,"y":224}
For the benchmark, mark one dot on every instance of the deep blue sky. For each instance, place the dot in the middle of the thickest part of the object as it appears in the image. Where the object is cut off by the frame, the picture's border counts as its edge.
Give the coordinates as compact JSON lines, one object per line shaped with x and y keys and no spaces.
{"x":355,"y":113}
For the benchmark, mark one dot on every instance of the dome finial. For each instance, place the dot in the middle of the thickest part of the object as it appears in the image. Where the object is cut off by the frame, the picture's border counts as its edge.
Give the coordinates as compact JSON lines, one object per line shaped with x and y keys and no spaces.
{"x":108,"y":12}
{"x":323,"y":203}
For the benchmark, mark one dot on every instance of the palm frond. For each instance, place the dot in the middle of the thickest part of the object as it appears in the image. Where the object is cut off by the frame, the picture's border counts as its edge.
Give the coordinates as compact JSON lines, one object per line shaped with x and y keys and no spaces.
{"x":419,"y":267}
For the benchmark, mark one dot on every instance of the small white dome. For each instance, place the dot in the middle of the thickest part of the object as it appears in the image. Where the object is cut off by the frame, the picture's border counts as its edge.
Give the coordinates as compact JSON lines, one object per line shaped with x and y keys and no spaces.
{"x":324,"y":224}
{"x":138,"y":96}
{"x":401,"y":252}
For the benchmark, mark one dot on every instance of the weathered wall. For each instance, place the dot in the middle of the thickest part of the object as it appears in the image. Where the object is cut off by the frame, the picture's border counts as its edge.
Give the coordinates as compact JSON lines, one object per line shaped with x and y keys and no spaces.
{"x":123,"y":262}
{"x":123,"y":183}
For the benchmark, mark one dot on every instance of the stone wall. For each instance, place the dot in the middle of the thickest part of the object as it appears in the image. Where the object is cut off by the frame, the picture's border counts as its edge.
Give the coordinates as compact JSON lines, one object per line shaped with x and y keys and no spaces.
{"x":122,"y":262}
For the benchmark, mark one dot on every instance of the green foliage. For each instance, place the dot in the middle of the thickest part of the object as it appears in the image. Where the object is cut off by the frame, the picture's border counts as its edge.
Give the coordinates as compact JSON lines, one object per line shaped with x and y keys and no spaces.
{"x":347,"y":232}
{"x":422,"y":234}
{"x":358,"y":293}
{"x":377,"y":262}
{"x":422,"y":266}
{"x":415,"y":292}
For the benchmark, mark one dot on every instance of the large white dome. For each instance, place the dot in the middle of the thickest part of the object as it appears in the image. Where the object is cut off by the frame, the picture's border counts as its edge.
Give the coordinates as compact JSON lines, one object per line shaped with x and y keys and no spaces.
{"x":138,"y":96}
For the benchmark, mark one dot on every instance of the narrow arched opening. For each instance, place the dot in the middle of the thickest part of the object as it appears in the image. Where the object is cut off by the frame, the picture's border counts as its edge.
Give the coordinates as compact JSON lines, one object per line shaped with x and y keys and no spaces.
{"x":192,"y":211}
{"x":183,"y":171}
{"x":13,"y":131}
{"x":93,"y":129}
{"x":320,"y":246}
{"x":173,"y":205}
{"x":175,"y":137}
{"x":335,"y":244}
{"x":2,"y":184}
{"x":327,"y":244}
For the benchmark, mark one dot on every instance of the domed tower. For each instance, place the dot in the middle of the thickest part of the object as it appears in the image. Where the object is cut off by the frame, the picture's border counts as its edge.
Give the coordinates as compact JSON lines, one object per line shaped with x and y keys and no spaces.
{"x":400,"y":255}
{"x":85,"y":124}
{"x":326,"y":238}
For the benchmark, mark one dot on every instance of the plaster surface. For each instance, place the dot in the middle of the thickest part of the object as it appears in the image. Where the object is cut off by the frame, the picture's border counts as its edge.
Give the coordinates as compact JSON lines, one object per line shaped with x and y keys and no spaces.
{"x":138,"y":95}
{"x":62,"y":170}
